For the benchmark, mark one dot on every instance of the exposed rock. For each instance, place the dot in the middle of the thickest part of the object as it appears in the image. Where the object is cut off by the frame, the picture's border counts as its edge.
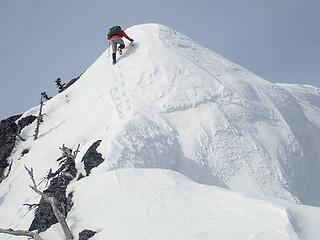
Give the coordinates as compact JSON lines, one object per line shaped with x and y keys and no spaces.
{"x":86,"y":234}
{"x":92,"y":158}
{"x":25,"y":151}
{"x":8,"y":132}
{"x":80,"y":176}
{"x":72,"y":81}
{"x":63,"y":86}
{"x":44,"y":216}
{"x":26,"y":121}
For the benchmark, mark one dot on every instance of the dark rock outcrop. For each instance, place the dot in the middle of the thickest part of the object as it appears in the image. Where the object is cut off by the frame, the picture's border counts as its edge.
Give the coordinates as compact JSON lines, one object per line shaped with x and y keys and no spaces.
{"x":92,"y":158}
{"x":63,"y":86}
{"x":44,"y":216}
{"x":72,"y":81}
{"x":26,"y":121}
{"x":86,"y":234}
{"x":8,"y":132}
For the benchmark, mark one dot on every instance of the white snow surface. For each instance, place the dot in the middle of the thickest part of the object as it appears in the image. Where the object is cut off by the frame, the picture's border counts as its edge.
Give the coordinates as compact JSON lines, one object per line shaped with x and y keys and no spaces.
{"x":225,"y":154}
{"x":161,"y":204}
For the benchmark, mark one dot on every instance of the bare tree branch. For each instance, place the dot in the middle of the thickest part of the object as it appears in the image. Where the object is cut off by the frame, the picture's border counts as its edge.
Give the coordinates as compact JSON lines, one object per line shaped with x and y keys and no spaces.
{"x":76,"y":152}
{"x":10,"y":231}
{"x":66,"y":152}
{"x":31,"y":206}
{"x":50,"y":199}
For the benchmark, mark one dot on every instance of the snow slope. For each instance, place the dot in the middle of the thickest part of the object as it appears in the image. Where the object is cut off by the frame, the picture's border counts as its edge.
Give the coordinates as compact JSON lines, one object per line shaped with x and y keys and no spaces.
{"x":161,"y":204}
{"x":170,"y":103}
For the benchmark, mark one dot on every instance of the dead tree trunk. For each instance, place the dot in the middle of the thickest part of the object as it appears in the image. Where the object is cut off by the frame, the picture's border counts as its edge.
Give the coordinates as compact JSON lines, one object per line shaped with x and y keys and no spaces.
{"x":50,"y":199}
{"x":39,"y":120}
{"x":10,"y":231}
{"x":67,"y":153}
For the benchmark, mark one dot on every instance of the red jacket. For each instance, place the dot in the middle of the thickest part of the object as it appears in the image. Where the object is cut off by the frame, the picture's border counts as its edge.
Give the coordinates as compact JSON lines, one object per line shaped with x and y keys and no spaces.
{"x":120,"y":35}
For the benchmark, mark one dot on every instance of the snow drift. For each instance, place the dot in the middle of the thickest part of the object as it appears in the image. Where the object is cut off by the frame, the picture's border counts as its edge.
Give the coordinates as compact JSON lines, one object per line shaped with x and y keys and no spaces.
{"x":172,"y":104}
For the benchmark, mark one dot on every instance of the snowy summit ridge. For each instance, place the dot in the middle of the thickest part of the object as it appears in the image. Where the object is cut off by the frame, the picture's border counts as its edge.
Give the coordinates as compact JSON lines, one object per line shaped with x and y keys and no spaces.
{"x":171,"y":104}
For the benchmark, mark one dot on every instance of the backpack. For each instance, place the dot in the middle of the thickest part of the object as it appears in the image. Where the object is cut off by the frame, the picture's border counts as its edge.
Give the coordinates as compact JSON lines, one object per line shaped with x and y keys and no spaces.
{"x":114,"y":31}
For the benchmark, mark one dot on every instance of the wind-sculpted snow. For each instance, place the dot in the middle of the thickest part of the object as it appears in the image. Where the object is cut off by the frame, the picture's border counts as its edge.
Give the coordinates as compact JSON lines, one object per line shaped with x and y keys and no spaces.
{"x":301,"y":112}
{"x":161,"y":204}
{"x":172,"y":104}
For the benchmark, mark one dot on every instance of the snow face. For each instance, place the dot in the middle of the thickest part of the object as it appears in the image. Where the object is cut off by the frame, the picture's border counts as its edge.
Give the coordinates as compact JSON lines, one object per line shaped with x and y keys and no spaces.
{"x":161,"y":204}
{"x":170,"y":103}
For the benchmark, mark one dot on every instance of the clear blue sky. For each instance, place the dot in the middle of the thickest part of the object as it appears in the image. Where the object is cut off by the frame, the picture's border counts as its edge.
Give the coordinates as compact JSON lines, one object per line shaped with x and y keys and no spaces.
{"x":41,"y":40}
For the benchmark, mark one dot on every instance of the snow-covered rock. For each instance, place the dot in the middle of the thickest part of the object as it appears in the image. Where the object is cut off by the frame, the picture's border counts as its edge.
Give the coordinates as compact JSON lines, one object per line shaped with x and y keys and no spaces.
{"x":172,"y":104}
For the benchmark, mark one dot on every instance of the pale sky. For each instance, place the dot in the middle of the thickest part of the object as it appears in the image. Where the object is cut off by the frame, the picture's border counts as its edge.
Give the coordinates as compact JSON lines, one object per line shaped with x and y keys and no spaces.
{"x":41,"y":40}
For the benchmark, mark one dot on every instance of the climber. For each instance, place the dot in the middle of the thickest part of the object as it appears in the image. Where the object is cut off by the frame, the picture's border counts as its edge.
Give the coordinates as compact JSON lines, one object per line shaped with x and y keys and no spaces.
{"x":115,"y":35}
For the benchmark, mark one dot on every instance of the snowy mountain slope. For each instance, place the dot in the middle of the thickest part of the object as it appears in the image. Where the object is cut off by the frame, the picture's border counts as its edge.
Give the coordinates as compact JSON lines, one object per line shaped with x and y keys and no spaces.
{"x":170,"y":103}
{"x":161,"y":204}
